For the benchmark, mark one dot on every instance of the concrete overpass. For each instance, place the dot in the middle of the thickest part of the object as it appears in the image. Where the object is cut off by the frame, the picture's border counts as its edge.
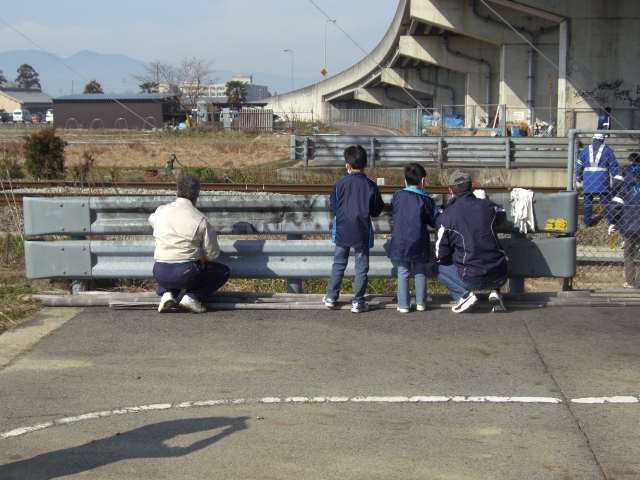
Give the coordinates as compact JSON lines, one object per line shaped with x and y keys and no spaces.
{"x":477,"y":52}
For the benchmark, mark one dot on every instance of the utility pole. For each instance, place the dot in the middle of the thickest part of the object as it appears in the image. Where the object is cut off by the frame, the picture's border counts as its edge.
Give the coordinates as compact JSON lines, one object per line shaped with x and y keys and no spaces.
{"x":324,"y":70}
{"x":291,"y":68}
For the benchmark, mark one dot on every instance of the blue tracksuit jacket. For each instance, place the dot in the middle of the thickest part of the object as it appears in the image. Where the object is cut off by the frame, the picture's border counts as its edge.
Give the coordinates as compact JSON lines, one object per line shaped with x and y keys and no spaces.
{"x":354,"y":199}
{"x":626,"y":205}
{"x":412,"y":212}
{"x":466,"y":237}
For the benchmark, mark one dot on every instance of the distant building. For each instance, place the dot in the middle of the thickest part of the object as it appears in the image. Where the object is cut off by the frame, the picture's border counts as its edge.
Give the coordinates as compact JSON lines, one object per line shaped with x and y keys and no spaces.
{"x":117,"y":110}
{"x":216,"y":91}
{"x":13,"y":98}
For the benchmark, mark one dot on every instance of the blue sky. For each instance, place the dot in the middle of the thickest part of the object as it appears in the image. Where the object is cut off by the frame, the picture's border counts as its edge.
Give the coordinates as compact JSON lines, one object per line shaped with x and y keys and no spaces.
{"x":244,"y":36}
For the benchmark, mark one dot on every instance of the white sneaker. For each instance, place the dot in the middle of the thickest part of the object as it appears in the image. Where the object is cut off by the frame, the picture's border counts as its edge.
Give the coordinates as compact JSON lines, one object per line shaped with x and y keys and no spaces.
{"x":328,"y":302}
{"x":421,"y":307}
{"x":192,"y":304}
{"x":167,"y":302}
{"x":495,"y":299}
{"x":465,"y":303}
{"x":403,"y":310}
{"x":359,"y":307}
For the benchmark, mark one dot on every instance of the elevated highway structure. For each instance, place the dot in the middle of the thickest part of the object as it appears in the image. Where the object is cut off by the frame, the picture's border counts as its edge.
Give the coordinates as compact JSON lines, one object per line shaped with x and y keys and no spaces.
{"x":525,"y":54}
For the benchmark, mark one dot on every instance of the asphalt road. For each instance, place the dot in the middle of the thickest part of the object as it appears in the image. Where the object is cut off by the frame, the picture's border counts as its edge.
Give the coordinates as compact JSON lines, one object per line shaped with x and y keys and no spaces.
{"x":545,"y":393}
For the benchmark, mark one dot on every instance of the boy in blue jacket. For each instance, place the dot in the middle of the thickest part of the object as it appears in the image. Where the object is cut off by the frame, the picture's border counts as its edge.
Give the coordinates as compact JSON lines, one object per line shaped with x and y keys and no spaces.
{"x":354,"y":199}
{"x":409,"y":249}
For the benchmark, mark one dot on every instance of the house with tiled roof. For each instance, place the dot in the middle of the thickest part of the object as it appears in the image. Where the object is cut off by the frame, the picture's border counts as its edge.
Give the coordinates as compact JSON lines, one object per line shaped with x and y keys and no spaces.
{"x":13,"y":98}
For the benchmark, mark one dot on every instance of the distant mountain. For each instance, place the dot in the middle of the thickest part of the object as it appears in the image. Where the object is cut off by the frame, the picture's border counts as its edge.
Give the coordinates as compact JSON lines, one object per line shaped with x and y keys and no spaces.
{"x":63,"y":76}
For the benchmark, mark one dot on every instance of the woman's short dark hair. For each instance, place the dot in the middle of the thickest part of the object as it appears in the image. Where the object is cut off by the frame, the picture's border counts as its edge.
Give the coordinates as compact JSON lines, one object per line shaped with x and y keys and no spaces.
{"x":462,"y":187}
{"x":414,"y":173}
{"x":188,"y":187}
{"x":356,"y":157}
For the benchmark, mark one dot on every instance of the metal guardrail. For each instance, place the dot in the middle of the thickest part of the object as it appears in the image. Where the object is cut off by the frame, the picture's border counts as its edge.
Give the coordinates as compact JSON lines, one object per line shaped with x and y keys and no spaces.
{"x":497,"y":151}
{"x":292,"y":215}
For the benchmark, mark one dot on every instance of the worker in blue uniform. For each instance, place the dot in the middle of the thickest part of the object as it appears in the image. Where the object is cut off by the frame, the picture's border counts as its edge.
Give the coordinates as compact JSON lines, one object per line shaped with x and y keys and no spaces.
{"x":604,"y":120}
{"x":596,"y":166}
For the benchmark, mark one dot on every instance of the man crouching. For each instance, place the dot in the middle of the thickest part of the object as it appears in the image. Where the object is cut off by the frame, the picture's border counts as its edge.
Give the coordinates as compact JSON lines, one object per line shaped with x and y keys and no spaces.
{"x":186,"y":245}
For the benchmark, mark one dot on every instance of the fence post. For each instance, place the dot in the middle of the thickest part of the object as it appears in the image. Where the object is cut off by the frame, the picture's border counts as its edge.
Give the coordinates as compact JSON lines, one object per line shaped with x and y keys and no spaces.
{"x":372,"y":153}
{"x":294,"y":285}
{"x":306,"y":151}
{"x":440,"y":152}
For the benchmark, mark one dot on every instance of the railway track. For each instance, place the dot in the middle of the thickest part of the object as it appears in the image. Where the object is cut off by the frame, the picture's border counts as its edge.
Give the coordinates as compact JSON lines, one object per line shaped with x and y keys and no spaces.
{"x":12,"y":194}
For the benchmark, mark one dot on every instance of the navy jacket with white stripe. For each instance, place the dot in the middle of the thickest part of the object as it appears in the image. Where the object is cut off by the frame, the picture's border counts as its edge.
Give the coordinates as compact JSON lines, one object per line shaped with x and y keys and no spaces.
{"x":466,"y":237}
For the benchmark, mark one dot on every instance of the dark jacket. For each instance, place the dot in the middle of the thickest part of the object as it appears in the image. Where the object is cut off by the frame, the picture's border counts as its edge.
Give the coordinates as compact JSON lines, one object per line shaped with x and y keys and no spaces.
{"x":412,"y":212}
{"x":626,"y":205}
{"x":355,"y":199}
{"x":466,"y":237}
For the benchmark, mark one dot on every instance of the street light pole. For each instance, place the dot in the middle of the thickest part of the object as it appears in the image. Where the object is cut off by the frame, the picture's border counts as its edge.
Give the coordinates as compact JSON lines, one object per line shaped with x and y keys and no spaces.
{"x":291,"y":68}
{"x":325,"y":43}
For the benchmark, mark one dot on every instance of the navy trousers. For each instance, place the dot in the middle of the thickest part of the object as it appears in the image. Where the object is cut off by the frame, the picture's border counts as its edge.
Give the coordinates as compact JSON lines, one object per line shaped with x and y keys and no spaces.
{"x":199,"y":279}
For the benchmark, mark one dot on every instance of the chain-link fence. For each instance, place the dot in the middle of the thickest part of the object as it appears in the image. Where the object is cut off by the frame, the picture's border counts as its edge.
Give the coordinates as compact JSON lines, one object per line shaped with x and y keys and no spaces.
{"x":608,"y":204}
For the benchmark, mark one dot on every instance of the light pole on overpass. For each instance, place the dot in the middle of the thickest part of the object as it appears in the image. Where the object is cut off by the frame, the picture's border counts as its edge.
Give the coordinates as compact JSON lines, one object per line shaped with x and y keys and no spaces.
{"x":325,"y":46}
{"x":291,"y":68}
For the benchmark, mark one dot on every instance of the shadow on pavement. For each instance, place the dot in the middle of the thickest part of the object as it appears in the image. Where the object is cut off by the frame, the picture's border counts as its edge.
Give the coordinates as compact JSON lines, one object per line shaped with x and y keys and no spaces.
{"x":145,"y":442}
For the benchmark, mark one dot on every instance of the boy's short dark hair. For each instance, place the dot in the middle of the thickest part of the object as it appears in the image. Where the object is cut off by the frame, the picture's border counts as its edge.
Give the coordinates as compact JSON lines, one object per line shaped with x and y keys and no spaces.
{"x":414,"y":173}
{"x":188,"y":187}
{"x":634,"y":157}
{"x":356,"y":157}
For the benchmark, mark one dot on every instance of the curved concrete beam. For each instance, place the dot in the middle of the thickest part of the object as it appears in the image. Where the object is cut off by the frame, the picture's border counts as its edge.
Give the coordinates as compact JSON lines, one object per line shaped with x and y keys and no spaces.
{"x":431,"y":50}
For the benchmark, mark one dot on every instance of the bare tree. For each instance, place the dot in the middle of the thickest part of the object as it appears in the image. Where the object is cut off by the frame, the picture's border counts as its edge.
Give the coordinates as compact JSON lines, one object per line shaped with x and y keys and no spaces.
{"x":188,"y":80}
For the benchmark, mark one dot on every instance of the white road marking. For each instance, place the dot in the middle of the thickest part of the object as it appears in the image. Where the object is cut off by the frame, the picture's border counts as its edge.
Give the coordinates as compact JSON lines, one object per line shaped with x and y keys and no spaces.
{"x":268,"y":400}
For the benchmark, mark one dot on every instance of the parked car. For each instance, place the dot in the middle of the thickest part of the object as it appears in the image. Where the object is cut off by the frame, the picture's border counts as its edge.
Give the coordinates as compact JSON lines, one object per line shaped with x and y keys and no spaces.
{"x":6,"y":117}
{"x":37,"y":117}
{"x":49,"y":116}
{"x":21,"y":116}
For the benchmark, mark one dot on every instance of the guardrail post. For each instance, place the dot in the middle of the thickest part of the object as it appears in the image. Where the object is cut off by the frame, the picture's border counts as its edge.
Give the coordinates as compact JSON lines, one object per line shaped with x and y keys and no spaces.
{"x":516,"y":285}
{"x":372,"y":152}
{"x":507,"y":152}
{"x":78,"y":286}
{"x":473,"y":120}
{"x":294,"y":285}
{"x":306,"y":151}
{"x":440,"y":152}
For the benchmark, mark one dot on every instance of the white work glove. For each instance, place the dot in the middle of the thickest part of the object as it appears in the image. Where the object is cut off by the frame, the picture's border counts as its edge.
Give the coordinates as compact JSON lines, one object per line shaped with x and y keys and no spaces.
{"x":480,"y":193}
{"x":578,"y":184}
{"x":612,"y":230}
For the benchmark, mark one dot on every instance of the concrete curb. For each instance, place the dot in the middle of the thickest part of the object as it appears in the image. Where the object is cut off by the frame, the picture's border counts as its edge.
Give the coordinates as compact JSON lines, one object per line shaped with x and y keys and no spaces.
{"x":283,"y":301}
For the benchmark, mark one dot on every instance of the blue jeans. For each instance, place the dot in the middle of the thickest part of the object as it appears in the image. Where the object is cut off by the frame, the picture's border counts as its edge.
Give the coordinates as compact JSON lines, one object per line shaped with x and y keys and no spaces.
{"x":340,"y":260}
{"x":198,"y":278}
{"x":587,"y":207}
{"x":448,"y":276}
{"x":404,"y":272}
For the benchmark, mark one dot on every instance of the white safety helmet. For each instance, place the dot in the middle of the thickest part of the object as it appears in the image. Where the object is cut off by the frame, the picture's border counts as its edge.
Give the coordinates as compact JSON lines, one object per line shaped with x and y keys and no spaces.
{"x":598,"y":136}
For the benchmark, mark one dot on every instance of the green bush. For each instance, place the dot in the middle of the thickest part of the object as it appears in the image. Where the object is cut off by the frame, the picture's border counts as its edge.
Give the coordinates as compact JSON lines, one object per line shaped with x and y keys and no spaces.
{"x":44,"y":154}
{"x":205,"y":174}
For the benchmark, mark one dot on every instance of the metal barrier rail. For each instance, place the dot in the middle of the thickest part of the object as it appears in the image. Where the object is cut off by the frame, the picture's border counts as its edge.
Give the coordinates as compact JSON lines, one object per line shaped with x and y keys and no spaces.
{"x":500,"y":151}
{"x":291,"y":215}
